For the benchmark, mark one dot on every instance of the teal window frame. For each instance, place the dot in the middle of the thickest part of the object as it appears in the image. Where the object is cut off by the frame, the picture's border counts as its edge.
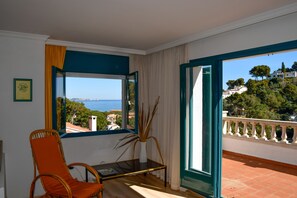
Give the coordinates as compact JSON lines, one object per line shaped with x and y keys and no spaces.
{"x":93,"y":63}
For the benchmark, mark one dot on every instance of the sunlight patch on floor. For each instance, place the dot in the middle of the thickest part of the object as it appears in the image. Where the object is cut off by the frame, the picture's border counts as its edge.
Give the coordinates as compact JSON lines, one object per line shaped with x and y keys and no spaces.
{"x":146,"y":192}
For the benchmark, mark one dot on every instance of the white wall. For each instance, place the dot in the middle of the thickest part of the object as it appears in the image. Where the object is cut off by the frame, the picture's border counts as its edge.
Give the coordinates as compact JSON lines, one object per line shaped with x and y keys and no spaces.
{"x":20,"y":58}
{"x":269,"y":32}
{"x":24,"y":58}
{"x":93,"y":149}
{"x":280,"y":152}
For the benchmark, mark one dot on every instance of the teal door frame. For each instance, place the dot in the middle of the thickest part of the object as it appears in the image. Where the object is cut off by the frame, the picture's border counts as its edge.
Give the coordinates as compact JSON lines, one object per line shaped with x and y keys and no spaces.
{"x":217,"y":62}
{"x":211,"y":180}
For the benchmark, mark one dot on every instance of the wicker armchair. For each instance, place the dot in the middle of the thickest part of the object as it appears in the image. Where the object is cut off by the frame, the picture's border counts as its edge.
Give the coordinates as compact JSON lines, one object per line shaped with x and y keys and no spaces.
{"x":48,"y":158}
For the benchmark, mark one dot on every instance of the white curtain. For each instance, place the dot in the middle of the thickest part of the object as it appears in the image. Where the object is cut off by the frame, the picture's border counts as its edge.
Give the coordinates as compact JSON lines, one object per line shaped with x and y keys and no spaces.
{"x":159,"y":76}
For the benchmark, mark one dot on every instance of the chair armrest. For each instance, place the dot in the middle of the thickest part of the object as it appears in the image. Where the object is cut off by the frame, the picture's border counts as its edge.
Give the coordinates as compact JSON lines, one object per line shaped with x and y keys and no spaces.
{"x":60,"y":179}
{"x":89,"y":168}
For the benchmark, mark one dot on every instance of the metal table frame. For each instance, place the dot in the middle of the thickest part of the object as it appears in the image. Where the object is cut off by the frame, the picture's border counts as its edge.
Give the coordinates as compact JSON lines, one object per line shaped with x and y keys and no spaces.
{"x":128,"y":168}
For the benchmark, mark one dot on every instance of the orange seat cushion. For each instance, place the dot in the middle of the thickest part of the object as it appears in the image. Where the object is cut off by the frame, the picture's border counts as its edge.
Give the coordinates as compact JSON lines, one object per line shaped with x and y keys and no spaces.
{"x":79,"y":189}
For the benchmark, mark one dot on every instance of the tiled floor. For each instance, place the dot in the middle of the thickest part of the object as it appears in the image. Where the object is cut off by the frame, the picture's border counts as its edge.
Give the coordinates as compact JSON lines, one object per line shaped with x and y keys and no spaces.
{"x":251,"y":178}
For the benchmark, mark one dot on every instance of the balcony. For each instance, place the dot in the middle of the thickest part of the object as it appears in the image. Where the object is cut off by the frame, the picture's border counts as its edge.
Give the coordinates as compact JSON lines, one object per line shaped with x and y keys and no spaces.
{"x":259,"y":158}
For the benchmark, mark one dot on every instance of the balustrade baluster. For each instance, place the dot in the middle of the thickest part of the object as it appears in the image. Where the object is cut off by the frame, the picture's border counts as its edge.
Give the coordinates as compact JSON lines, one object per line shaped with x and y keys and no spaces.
{"x":254,"y":132}
{"x":230,"y":128}
{"x":284,"y":134}
{"x":273,"y":134}
{"x":245,"y":131}
{"x":263,"y":132}
{"x":225,"y":124}
{"x":295,"y":136}
{"x":237,"y":128}
{"x":228,"y":122}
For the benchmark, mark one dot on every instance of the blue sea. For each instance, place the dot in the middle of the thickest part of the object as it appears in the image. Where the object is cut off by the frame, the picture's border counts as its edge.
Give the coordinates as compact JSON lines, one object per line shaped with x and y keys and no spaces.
{"x":103,"y":105}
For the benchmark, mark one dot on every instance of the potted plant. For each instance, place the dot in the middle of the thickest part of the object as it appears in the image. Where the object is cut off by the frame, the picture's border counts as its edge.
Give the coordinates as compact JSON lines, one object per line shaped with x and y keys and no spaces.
{"x":144,"y":126}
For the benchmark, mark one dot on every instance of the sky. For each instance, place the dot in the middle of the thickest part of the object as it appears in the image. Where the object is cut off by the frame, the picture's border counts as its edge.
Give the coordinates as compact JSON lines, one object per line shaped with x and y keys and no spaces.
{"x":94,"y":88}
{"x":111,"y":89}
{"x":239,"y":68}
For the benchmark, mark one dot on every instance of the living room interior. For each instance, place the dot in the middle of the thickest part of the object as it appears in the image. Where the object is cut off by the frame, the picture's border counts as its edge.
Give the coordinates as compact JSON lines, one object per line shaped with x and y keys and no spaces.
{"x":154,"y":37}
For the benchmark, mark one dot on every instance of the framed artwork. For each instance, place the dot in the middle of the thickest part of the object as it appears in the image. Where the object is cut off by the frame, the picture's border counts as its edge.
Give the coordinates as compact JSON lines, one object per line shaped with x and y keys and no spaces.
{"x":22,"y":90}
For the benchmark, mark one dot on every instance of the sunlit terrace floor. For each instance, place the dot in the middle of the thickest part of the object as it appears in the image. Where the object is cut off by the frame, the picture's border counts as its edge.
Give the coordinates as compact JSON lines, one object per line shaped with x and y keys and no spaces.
{"x":244,"y":176}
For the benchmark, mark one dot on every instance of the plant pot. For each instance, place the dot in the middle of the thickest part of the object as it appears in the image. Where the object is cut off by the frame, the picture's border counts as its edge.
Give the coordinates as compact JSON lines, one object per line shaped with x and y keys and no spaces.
{"x":142,"y":154}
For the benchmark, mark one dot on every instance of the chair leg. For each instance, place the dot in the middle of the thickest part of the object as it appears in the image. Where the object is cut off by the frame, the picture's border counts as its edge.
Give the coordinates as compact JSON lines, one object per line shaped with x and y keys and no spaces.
{"x":100,"y":195}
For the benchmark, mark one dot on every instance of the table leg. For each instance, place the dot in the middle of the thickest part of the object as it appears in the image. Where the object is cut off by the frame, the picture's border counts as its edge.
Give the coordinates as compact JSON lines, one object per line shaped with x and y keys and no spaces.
{"x":165,"y":179}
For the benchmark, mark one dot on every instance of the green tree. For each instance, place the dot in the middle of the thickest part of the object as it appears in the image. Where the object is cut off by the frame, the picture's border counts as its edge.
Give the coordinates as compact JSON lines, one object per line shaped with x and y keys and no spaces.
{"x":131,"y":96}
{"x":260,"y":71}
{"x":294,"y":66}
{"x":230,"y":84}
{"x":283,"y":67}
{"x":239,"y":82}
{"x":265,"y":99}
{"x":254,"y":86}
{"x":235,"y":83}
{"x":234,"y":104}
{"x":290,"y":92}
{"x":77,"y":113}
{"x":119,"y":120}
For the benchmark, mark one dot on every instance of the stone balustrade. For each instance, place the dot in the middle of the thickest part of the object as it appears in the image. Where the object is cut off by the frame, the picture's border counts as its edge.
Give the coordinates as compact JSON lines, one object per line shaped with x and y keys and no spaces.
{"x":261,"y":129}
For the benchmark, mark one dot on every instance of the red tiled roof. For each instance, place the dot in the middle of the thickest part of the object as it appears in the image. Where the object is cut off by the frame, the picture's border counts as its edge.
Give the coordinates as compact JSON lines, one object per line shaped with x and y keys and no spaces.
{"x":71,"y":128}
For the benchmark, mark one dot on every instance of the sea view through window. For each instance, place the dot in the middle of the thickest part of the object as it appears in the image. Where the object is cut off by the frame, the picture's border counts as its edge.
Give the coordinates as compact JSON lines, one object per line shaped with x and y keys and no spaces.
{"x":94,"y":103}
{"x":101,"y":105}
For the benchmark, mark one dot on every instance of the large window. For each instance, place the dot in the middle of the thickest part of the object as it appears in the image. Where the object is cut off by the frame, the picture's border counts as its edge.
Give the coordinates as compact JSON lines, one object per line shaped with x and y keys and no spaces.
{"x":94,"y":94}
{"x":94,"y":102}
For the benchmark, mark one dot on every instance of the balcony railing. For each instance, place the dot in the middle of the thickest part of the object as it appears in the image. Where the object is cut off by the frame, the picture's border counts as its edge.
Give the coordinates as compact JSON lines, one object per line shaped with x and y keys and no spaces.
{"x":261,"y":129}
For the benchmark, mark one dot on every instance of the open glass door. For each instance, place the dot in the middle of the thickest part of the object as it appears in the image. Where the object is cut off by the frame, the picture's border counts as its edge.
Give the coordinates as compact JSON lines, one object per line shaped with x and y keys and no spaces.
{"x":201,"y":128}
{"x":59,"y":99}
{"x":132,"y":101}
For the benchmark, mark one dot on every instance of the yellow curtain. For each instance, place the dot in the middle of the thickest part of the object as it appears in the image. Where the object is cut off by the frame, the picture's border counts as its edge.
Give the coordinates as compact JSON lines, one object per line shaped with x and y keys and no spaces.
{"x":54,"y":56}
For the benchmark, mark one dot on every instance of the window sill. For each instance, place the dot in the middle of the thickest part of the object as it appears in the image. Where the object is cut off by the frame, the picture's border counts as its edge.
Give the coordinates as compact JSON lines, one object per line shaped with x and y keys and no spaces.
{"x":94,"y":133}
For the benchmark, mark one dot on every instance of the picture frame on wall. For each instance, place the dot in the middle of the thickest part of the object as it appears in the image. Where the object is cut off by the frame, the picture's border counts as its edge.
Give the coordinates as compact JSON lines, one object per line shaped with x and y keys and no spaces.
{"x":22,"y":90}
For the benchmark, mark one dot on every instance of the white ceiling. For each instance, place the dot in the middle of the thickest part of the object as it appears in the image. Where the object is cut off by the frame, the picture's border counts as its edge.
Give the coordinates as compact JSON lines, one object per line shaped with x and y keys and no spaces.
{"x":134,"y":24}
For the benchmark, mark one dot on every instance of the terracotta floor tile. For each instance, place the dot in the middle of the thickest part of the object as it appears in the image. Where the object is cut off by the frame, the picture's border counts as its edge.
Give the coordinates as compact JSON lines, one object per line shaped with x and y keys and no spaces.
{"x":249,"y":178}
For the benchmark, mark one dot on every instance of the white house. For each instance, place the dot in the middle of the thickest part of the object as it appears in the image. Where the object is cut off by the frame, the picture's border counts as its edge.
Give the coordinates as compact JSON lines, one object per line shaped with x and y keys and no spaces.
{"x":239,"y":90}
{"x":280,"y":74}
